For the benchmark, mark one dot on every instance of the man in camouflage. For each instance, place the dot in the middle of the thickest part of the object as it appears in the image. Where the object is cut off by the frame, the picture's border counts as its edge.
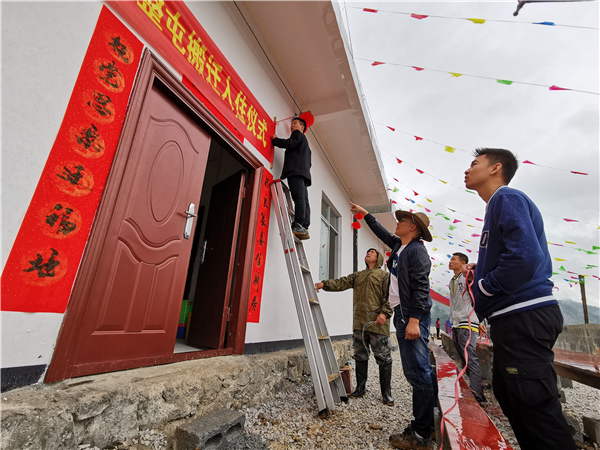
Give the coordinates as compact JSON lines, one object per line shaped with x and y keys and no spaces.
{"x":371,"y":323}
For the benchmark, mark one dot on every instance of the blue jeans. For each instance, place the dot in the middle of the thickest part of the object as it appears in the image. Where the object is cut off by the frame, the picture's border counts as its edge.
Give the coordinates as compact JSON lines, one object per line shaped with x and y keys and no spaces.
{"x":417,"y":370}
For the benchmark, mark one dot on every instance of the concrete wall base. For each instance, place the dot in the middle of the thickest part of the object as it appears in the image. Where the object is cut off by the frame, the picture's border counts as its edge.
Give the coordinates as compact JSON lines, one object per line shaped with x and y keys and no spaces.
{"x":102,"y":409}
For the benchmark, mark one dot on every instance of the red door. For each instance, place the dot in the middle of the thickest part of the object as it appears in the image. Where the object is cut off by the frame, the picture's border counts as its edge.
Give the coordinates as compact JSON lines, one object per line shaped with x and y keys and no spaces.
{"x":136,"y":295}
{"x":215,"y":277}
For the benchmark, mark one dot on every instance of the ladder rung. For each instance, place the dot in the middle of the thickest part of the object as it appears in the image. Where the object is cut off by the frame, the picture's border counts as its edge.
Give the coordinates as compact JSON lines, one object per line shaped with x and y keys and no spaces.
{"x":333,"y":376}
{"x":304,"y":269}
{"x":313,"y":301}
{"x":324,"y":337}
{"x":290,"y":211}
{"x":296,"y":239}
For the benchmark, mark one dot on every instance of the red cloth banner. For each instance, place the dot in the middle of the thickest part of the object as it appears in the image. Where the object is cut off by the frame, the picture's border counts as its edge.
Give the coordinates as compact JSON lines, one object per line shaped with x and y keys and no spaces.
{"x":173,"y":30}
{"x":43,"y":262}
{"x":260,"y":248}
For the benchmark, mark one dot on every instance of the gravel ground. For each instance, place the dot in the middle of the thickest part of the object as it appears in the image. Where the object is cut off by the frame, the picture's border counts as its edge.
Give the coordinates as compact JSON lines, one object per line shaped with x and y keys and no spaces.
{"x":291,"y":422}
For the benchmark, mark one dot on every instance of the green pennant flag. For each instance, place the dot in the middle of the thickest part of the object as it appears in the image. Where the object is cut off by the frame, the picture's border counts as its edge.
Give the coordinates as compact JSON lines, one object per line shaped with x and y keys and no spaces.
{"x":590,"y":253}
{"x":555,"y":273}
{"x":447,"y":218}
{"x":507,"y":82}
{"x":453,"y":210}
{"x":470,"y":192}
{"x":439,"y":214}
{"x":590,"y":266}
{"x":595,"y":247}
{"x":562,"y":268}
{"x":395,"y":189}
{"x":452,"y":227}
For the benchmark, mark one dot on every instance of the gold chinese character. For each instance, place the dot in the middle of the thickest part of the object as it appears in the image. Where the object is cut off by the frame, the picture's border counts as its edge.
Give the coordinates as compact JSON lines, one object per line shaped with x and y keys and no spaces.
{"x":212,"y":68}
{"x":227,"y":93}
{"x":252,"y":116}
{"x":262,"y":127}
{"x":196,"y":53}
{"x":177,"y":29}
{"x":240,"y":105}
{"x":153,"y":8}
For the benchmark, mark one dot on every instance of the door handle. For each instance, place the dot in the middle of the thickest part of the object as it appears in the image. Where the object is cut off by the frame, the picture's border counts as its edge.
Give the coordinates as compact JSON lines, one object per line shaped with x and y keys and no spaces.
{"x":189,"y":222}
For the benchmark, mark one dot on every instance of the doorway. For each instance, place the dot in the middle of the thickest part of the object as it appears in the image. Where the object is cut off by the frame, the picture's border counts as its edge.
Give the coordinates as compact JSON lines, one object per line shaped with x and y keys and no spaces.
{"x":126,"y":300}
{"x":207,"y":303}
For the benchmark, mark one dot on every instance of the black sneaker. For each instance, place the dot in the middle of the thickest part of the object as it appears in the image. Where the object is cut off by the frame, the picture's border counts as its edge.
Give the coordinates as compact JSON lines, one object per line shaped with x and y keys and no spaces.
{"x":408,"y":440}
{"x":300,"y":232}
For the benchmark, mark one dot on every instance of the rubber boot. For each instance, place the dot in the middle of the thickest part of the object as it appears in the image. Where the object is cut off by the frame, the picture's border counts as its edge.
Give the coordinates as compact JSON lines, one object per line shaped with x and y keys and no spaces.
{"x":385,"y":381}
{"x":362,"y":370}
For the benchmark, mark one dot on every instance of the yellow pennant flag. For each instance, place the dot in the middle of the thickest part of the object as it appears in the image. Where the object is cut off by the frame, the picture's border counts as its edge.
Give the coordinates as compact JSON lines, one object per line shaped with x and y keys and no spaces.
{"x":570,"y":242}
{"x":559,"y":259}
{"x":445,"y":182}
{"x":434,"y":249}
{"x":435,"y":237}
{"x":428,"y":200}
{"x":477,"y":20}
{"x":420,"y":206}
{"x":454,"y":74}
{"x":449,"y":149}
{"x":472,"y":226}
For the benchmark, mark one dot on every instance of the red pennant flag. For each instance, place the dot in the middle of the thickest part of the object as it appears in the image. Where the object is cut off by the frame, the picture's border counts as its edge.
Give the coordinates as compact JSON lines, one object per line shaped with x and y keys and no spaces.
{"x":475,"y":235}
{"x":399,"y":161}
{"x":456,"y":221}
{"x":419,"y":170}
{"x":393,"y":129}
{"x":428,"y":210}
{"x":529,"y":162}
{"x":578,"y":173}
{"x":556,"y":88}
{"x":376,"y":63}
{"x":570,"y":220}
{"x":411,"y":210}
{"x":418,"y":69}
{"x":396,"y":180}
{"x":417,"y":138}
{"x":416,"y":193}
{"x":419,"y":16}
{"x":468,"y":250}
{"x":481,"y":220}
{"x":394,"y":201}
{"x":389,"y":189}
{"x":369,"y":10}
{"x":407,"y":199}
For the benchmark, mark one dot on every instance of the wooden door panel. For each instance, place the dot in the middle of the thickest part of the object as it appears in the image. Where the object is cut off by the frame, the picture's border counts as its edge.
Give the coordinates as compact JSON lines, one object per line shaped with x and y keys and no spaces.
{"x":136,"y":295}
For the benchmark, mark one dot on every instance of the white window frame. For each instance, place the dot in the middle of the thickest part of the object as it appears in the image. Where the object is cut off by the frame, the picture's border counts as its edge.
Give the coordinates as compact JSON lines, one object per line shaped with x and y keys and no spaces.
{"x":337,"y":250}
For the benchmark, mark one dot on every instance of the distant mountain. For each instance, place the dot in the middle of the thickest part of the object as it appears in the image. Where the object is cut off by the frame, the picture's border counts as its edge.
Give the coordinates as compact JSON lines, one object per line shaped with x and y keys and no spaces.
{"x":572,"y":312}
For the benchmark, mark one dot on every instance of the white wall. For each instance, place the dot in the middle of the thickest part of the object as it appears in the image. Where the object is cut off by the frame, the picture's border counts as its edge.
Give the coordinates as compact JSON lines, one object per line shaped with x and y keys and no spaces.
{"x":40,"y":67}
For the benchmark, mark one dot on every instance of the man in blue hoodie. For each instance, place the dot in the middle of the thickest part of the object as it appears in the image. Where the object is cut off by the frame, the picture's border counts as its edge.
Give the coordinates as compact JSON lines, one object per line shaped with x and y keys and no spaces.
{"x":513,"y":290}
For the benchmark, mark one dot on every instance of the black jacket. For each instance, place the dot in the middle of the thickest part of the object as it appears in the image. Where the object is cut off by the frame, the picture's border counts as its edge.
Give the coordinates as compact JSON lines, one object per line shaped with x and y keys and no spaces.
{"x":414,"y":265}
{"x":297,"y":160}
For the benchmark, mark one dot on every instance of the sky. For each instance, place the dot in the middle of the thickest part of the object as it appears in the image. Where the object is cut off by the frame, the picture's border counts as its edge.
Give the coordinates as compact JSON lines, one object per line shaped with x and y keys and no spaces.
{"x":554,"y":128}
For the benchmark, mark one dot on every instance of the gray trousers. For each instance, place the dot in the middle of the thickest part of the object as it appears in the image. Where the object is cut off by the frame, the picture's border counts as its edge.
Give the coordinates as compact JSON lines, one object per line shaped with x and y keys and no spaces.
{"x":380,"y":346}
{"x":460,"y":337}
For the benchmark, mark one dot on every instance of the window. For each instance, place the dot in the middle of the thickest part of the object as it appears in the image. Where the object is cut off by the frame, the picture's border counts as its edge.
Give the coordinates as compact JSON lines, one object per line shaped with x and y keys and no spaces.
{"x":330,"y":241}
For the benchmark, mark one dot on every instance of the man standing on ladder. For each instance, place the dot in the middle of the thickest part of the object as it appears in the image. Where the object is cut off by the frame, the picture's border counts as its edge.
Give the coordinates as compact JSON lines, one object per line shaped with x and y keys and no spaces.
{"x":371,"y":324}
{"x":513,"y":290}
{"x":409,"y":265}
{"x":296,"y":168}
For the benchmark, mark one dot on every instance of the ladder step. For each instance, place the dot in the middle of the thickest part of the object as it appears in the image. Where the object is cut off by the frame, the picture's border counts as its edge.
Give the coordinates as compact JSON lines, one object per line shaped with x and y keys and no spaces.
{"x":333,"y":376}
{"x":314,"y":302}
{"x":290,"y":211}
{"x":324,"y":337}
{"x":296,"y":239}
{"x":304,"y":269}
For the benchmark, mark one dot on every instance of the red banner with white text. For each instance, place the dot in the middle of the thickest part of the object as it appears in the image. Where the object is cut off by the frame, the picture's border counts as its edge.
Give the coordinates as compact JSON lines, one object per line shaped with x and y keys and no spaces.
{"x":173,"y":30}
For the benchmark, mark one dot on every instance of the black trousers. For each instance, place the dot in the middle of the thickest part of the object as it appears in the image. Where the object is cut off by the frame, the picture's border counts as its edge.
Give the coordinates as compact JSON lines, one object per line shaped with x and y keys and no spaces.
{"x":524,"y":379}
{"x":299,"y":189}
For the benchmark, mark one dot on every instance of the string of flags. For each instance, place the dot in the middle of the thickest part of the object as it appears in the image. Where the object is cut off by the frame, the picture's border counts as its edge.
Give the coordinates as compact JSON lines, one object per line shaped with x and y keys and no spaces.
{"x":399,"y":161}
{"x":452,"y":226}
{"x":458,"y":75}
{"x":450,"y":149}
{"x":472,"y":20}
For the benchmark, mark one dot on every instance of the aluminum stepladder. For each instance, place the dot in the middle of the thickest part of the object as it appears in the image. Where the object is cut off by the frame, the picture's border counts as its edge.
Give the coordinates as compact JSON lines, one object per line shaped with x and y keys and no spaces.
{"x":328,"y":384}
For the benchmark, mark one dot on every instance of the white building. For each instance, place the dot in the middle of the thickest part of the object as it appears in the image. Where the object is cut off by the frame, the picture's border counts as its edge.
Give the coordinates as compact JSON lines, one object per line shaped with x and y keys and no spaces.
{"x":114,"y":300}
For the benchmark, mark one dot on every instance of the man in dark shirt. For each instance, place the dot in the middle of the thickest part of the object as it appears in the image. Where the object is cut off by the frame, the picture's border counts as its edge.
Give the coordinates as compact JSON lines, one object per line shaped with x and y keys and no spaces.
{"x":296,"y":168}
